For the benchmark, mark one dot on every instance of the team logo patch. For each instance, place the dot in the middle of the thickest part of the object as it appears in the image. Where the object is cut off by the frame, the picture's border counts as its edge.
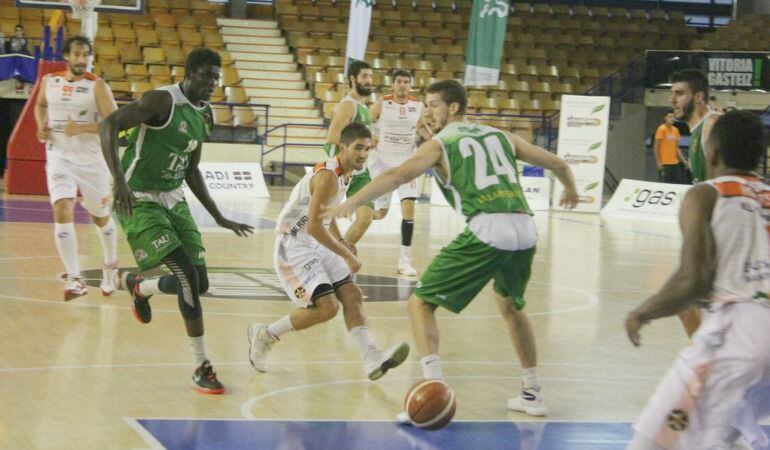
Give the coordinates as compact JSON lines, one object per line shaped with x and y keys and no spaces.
{"x":677,"y":420}
{"x":183,"y":126}
{"x":140,"y":254}
{"x":81,"y":90}
{"x":300,"y":292}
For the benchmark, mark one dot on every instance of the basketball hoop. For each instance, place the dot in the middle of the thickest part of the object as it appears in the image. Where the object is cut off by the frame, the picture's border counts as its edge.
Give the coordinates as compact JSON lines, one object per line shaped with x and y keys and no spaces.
{"x":82,"y":9}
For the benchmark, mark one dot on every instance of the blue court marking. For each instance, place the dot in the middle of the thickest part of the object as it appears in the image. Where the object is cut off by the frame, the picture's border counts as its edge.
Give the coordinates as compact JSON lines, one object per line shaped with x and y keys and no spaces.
{"x":178,"y":434}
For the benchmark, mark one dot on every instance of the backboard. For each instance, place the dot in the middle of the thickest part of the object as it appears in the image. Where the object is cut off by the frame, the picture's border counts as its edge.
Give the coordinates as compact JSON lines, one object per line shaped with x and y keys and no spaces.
{"x":114,"y":6}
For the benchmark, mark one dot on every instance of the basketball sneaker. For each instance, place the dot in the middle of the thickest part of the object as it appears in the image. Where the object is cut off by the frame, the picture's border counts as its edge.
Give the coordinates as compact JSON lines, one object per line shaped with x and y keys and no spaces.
{"x":405,"y":266}
{"x":75,"y":288}
{"x":205,"y":380}
{"x":377,"y":363}
{"x":141,"y":306}
{"x":402,"y":418}
{"x":260,"y":343}
{"x":110,"y":279}
{"x":529,"y":401}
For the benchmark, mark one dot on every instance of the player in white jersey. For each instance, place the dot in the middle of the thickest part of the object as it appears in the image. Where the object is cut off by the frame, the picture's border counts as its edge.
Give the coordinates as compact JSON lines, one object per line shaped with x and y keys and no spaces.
{"x":719,"y":387}
{"x":315,"y":264}
{"x":395,"y":119}
{"x":67,"y":111}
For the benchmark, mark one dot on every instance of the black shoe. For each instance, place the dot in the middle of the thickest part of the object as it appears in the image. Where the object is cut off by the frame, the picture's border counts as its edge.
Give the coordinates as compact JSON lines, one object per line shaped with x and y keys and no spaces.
{"x":205,"y":380}
{"x":141,"y":306}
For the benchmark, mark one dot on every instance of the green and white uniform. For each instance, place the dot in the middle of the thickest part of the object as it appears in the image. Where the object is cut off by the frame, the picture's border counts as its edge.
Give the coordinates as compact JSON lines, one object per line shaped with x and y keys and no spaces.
{"x":697,"y":152}
{"x":499,"y":241}
{"x":155,"y":164}
{"x":362,"y":178}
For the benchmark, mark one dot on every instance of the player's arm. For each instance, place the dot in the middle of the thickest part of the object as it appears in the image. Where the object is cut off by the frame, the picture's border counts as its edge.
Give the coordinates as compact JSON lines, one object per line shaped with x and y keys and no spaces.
{"x":656,"y":151}
{"x":197,"y":186}
{"x":708,"y":126}
{"x":105,"y":103}
{"x":427,"y":155}
{"x":538,"y":156}
{"x":343,"y":115}
{"x":323,"y":188}
{"x":153,"y":106}
{"x":693,"y":279}
{"x":41,"y":112}
{"x":374,"y":116}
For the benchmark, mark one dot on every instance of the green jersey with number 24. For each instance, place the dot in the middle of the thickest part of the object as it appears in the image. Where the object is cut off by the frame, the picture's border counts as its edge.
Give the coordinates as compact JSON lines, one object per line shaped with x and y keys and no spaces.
{"x":482,"y":171}
{"x":157,"y":157}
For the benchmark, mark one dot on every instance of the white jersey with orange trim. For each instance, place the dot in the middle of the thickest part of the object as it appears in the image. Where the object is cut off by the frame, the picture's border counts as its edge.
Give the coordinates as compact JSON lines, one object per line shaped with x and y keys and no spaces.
{"x":397,"y":126}
{"x":740,"y":224}
{"x":72,"y":101}
{"x":293,"y":218}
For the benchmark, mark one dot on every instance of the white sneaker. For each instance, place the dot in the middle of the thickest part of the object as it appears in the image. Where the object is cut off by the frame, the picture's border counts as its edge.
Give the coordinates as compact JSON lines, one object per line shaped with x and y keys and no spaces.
{"x":260,"y":343}
{"x":75,"y":288}
{"x":402,"y":418}
{"x":405,"y":267}
{"x":110,"y":280}
{"x":377,"y":363}
{"x":529,"y":401}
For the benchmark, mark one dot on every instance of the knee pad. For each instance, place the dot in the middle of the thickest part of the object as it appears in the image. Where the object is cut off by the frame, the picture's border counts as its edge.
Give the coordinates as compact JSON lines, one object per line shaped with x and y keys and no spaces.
{"x":187,"y":285}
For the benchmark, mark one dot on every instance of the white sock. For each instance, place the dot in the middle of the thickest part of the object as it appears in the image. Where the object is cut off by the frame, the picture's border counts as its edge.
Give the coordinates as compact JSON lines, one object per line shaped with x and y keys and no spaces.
{"x":530,"y":379}
{"x":149,"y":286}
{"x":406,"y":251}
{"x":109,"y":238}
{"x":67,"y":245}
{"x":363,"y":340}
{"x":280,"y":327}
{"x":431,"y":367}
{"x":198,"y":349}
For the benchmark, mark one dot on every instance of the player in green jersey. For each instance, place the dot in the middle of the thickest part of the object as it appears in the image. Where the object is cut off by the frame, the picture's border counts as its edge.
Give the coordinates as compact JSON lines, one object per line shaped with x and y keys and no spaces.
{"x":477,"y":169}
{"x":353,"y":108}
{"x":690,"y":97}
{"x":169,"y":127}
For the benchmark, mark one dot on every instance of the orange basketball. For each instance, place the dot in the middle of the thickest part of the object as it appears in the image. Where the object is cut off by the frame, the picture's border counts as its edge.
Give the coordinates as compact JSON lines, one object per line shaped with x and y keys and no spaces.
{"x":430,"y":404}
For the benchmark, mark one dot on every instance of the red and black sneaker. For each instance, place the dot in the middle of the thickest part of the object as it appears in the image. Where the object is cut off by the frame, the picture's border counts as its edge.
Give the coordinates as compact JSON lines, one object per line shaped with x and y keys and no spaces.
{"x":205,"y":380}
{"x":141,"y":307}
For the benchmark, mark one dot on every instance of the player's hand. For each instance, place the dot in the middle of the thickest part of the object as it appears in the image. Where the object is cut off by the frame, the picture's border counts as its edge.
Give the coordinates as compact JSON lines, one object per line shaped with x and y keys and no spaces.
{"x":353,"y":263}
{"x":241,"y":229}
{"x":124,"y":200}
{"x":42,"y":133}
{"x":660,"y":168}
{"x":71,"y":129}
{"x":633,"y":325}
{"x":569,"y":198}
{"x":350,"y":247}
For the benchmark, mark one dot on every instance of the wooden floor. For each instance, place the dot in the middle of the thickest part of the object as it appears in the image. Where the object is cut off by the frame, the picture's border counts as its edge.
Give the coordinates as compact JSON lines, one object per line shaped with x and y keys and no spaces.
{"x":76,"y":375}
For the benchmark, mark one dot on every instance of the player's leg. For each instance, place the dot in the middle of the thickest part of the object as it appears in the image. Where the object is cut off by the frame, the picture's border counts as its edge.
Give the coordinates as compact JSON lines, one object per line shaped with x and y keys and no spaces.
{"x":381,"y":204}
{"x":95,"y":184}
{"x":62,"y":188}
{"x":364,"y":213}
{"x":305,"y":281}
{"x":407,"y":193}
{"x":452,"y":280}
{"x":376,"y":362}
{"x":691,"y":318}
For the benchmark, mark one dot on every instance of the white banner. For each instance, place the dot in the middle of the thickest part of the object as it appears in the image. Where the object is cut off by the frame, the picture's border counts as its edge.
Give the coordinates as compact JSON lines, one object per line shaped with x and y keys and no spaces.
{"x":646,"y":200}
{"x":583,"y":127}
{"x":358,"y":30}
{"x":537,"y":190}
{"x":233,"y":180}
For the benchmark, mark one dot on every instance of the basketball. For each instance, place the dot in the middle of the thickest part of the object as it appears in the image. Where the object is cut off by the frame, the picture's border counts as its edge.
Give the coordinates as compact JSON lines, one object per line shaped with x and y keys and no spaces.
{"x":430,"y":404}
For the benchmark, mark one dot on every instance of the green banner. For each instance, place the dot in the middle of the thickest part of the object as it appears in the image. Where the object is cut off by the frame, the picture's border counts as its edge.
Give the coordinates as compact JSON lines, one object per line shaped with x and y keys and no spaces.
{"x":485,"y":42}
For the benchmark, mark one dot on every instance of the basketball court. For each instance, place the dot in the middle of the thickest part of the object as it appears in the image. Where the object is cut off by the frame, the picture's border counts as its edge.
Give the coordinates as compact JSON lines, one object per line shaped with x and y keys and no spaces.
{"x":86,"y":374}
